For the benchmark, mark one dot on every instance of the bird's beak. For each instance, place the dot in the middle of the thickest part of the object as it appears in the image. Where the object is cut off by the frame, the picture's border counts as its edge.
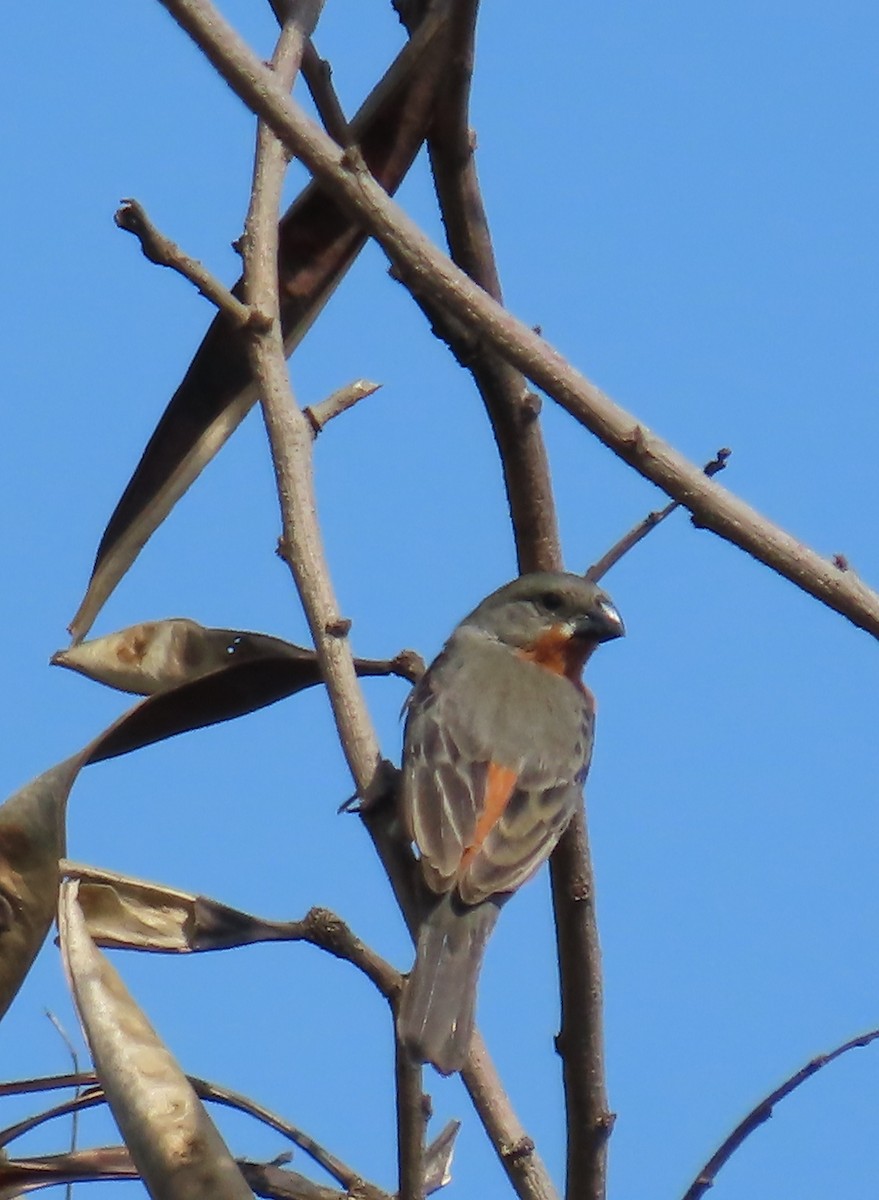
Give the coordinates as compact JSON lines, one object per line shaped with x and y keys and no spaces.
{"x":603,"y":624}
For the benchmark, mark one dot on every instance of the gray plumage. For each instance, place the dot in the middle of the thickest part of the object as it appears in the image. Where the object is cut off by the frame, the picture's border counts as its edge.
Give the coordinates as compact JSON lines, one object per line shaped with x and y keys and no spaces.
{"x":497,"y":745}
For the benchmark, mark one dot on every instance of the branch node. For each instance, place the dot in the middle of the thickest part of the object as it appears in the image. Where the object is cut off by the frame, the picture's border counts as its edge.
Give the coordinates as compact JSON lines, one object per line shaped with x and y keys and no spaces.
{"x":352,"y":160}
{"x":258,"y":321}
{"x":530,"y":408}
{"x":606,"y":1123}
{"x":382,"y":789}
{"x":523,"y":1148}
{"x":338,"y":627}
{"x":409,"y":664}
{"x":635,"y":442}
{"x":718,"y":462}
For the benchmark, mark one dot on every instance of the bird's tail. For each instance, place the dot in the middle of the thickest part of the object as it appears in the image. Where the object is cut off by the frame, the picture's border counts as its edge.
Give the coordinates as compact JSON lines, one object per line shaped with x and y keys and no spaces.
{"x":436,"y":1016}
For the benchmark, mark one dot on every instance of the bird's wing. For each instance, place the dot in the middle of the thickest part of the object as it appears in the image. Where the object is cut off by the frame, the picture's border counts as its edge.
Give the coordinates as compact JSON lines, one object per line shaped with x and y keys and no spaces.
{"x":482,"y":817}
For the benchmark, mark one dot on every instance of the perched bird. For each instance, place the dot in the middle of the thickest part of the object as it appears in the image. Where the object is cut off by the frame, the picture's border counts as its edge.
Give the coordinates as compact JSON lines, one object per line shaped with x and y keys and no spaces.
{"x":497,"y":744}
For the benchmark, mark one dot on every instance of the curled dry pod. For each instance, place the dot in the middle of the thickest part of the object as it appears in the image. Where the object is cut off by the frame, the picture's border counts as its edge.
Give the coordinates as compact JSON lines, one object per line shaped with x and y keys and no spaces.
{"x":32,"y":840}
{"x":197,"y":676}
{"x":174,"y":1144}
{"x":126,"y":913}
{"x":148,"y":657}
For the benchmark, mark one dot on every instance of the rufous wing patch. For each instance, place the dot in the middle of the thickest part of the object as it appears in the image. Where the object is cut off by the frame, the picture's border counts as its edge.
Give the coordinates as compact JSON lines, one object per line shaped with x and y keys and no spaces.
{"x":500,"y":783}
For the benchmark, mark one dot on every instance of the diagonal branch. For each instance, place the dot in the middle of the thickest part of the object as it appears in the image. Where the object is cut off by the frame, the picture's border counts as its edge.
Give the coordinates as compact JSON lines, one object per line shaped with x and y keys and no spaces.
{"x":425,"y":268}
{"x":763,"y":1111}
{"x":160,"y":250}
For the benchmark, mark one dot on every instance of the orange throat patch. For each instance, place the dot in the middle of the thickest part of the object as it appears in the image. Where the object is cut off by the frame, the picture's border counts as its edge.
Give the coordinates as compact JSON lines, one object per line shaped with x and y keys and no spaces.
{"x":560,"y":653}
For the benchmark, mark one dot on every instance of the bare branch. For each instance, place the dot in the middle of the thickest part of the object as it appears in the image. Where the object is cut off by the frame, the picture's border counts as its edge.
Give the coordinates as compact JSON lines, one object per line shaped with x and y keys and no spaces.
{"x":161,"y":250}
{"x":580,"y":1042}
{"x":334,"y":1166}
{"x":319,"y":76}
{"x":205,"y":1090}
{"x":324,"y":929}
{"x":338,"y":402}
{"x":45,"y":1083}
{"x":114,"y":1162}
{"x":425,"y":268}
{"x":81,"y":1100}
{"x":74,"y":1058}
{"x":599,"y":569}
{"x":412,"y":1114}
{"x":763,"y":1111}
{"x":515,"y":1148}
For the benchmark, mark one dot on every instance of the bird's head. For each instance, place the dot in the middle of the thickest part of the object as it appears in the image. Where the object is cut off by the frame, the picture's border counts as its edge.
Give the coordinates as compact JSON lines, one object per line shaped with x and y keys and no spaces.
{"x":551,"y":617}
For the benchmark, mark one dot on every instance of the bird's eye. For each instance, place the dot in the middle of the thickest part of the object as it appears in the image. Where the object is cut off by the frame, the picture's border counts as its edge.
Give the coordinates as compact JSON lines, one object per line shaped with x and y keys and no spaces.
{"x":552,"y":600}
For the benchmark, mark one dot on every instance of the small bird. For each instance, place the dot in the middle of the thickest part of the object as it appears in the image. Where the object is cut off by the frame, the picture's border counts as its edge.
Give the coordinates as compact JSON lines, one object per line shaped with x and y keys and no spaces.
{"x":497,"y":745}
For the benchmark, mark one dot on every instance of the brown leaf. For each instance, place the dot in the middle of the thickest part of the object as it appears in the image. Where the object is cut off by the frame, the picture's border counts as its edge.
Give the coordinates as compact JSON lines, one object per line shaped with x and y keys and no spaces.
{"x":438,"y":1158}
{"x":151,"y":656}
{"x":255,"y":670}
{"x":174,"y":1144}
{"x":32,"y":840}
{"x":318,"y":243}
{"x":154,"y":656}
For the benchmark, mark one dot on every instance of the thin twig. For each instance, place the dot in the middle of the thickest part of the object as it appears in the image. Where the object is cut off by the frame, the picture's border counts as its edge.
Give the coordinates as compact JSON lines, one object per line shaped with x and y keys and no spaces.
{"x":338,"y":402}
{"x":161,"y":250}
{"x":318,"y":75}
{"x":599,"y":569}
{"x":523,"y":1165}
{"x":79,"y":1102}
{"x":114,"y":1162}
{"x":205,"y":1090}
{"x":334,"y":1166}
{"x":74,"y":1058}
{"x":325,"y":930}
{"x":426,"y":268}
{"x":763,"y":1111}
{"x":46,"y":1083}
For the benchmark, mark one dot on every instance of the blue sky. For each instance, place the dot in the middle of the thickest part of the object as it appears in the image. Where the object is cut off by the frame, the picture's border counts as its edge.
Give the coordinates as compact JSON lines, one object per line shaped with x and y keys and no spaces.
{"x":684,"y":198}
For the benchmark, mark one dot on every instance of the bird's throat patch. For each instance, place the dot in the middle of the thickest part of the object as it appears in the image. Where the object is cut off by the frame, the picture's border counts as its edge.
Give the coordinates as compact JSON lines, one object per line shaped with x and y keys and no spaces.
{"x":558,"y":652}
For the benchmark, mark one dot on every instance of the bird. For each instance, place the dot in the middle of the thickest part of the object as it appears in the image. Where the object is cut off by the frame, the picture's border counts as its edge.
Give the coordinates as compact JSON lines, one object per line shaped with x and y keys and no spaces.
{"x":496,"y":747}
